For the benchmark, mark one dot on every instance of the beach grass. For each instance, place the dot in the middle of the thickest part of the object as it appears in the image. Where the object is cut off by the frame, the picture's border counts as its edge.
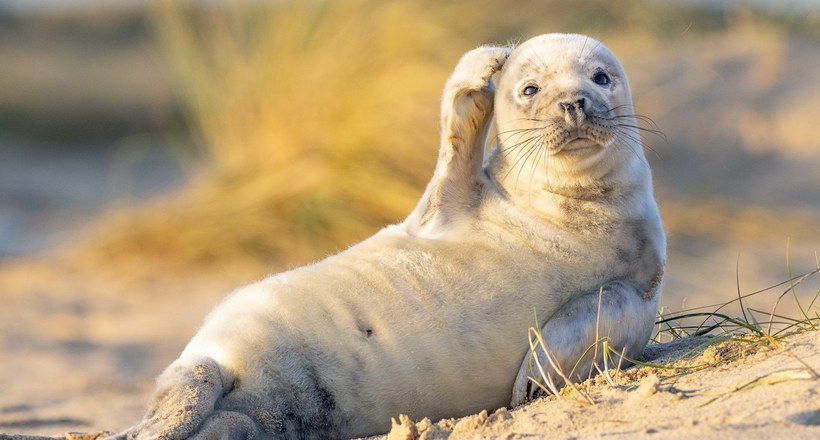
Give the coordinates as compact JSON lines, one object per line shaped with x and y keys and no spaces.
{"x":319,"y":120}
{"x":315,"y":121}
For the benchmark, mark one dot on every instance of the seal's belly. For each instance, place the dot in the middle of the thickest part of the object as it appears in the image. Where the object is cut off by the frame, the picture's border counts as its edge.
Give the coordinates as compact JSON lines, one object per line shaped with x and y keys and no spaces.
{"x":425,"y":325}
{"x":406,"y":323}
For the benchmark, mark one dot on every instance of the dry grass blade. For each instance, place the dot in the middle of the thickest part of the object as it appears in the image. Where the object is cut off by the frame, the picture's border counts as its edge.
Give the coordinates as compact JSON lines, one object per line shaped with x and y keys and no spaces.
{"x":609,"y":351}
{"x":536,"y":342}
{"x":546,"y":383}
{"x":773,"y":378}
{"x":676,"y":324}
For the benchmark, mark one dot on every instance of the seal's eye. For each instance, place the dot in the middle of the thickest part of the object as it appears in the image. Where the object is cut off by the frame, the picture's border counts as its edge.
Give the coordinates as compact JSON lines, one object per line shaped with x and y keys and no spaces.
{"x":530,"y":90}
{"x":602,"y":79}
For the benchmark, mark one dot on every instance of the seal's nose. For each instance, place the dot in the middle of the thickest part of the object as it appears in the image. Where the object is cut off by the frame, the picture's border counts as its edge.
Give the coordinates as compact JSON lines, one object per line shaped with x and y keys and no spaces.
{"x":574,"y":111}
{"x":570,"y":106}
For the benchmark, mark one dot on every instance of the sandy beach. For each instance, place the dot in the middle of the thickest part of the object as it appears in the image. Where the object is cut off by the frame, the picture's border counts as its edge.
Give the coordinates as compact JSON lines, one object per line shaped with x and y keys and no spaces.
{"x":80,"y":355}
{"x":144,"y":176}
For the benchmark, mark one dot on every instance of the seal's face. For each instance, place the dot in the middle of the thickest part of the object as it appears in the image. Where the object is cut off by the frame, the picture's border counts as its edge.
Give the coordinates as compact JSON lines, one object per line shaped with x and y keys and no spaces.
{"x":565,"y":99}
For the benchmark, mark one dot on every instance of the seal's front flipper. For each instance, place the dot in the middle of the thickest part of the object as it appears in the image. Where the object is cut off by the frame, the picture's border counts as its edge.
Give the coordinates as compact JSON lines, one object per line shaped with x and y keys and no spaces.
{"x":620,"y":313}
{"x":466,"y":112}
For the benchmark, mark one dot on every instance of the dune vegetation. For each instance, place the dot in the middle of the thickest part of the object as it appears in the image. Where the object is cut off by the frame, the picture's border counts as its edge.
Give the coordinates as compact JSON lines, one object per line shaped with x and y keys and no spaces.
{"x":318,"y":120}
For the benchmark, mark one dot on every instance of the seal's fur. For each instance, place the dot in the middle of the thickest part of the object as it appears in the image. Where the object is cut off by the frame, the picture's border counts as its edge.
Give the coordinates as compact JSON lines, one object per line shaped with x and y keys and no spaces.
{"x":429,"y":317}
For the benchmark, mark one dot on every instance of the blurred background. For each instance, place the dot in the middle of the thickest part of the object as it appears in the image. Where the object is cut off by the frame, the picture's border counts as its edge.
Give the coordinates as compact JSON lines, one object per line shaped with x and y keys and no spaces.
{"x":155,"y":153}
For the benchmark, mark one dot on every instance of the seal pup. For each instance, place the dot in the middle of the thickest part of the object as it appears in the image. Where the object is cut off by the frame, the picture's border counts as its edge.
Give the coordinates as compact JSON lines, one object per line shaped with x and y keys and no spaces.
{"x":429,"y":317}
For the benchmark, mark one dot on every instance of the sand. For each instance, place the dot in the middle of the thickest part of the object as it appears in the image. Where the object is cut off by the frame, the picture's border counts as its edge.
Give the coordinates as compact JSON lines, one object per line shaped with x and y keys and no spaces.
{"x":80,"y":351}
{"x":771,"y":393}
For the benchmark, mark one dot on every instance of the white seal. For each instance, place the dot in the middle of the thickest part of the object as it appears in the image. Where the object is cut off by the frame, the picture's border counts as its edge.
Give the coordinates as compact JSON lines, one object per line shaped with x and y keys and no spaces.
{"x":429,"y":318}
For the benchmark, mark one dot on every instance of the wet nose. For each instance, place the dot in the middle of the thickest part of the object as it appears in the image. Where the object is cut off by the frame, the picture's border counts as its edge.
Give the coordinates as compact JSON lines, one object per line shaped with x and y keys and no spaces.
{"x":574,"y":111}
{"x":570,"y":106}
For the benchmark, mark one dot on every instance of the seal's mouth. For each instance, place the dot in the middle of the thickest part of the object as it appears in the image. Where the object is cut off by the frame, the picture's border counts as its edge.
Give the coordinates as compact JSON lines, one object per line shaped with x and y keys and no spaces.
{"x":588,"y":139}
{"x":580,"y":143}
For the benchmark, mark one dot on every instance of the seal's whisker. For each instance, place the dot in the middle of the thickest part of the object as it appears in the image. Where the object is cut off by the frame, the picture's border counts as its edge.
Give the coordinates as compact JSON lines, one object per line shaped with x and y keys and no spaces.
{"x":521,"y":146}
{"x":534,"y":147}
{"x":536,"y":151}
{"x":532,"y":120}
{"x":654,"y":152}
{"x":653,"y":131}
{"x":646,"y":119}
{"x":525,"y":150}
{"x":519,"y":132}
{"x":628,"y":136}
{"x":629,"y":107}
{"x":540,"y":152}
{"x":512,"y":135}
{"x":522,"y":129}
{"x":547,"y":160}
{"x":636,"y":137}
{"x":627,"y":129}
{"x":587,"y":57}
{"x":623,"y":106}
{"x":517,"y":145}
{"x":646,"y":146}
{"x":624,"y":137}
{"x":521,"y":150}
{"x":537,"y":55}
{"x":642,"y":118}
{"x":584,"y":46}
{"x":618,"y":107}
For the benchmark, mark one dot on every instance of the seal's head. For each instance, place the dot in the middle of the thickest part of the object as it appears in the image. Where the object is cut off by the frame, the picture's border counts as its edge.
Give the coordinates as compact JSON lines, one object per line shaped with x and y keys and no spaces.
{"x":563,"y":112}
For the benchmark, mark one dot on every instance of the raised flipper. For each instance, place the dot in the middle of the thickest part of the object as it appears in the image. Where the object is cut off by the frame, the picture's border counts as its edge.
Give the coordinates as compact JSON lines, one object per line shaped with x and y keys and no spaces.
{"x":625,"y":317}
{"x":466,"y":111}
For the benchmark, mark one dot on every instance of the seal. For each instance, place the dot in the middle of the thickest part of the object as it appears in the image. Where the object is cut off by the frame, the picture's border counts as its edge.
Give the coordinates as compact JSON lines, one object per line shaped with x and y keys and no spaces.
{"x":429,"y":317}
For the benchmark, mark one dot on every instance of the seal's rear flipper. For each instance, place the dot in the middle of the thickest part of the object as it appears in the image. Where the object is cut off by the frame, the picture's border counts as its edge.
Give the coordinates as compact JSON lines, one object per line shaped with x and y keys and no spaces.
{"x":186,"y":394}
{"x":229,"y":425}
